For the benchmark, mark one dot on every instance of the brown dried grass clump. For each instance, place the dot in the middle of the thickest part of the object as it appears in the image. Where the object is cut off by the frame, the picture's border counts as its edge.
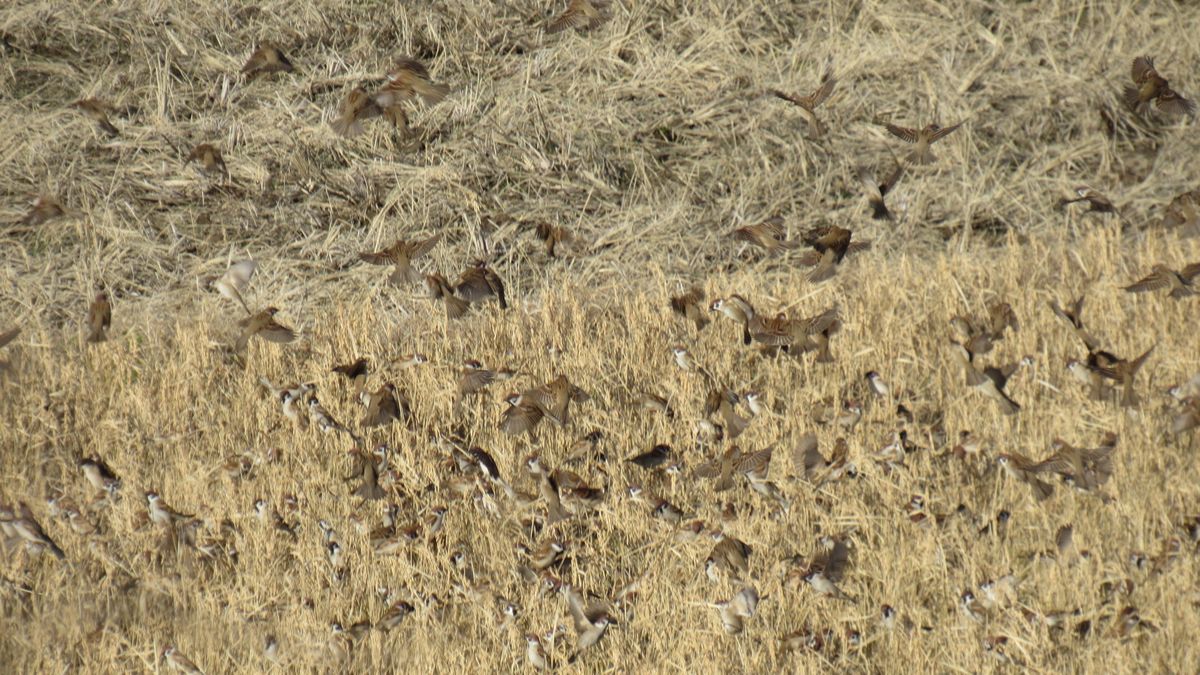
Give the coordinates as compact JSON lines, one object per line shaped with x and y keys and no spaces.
{"x":649,"y":138}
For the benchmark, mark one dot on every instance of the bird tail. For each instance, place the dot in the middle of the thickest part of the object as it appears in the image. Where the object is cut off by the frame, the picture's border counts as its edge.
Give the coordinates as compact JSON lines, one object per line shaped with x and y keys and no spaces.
{"x":1131,"y":98}
{"x":879,"y":210}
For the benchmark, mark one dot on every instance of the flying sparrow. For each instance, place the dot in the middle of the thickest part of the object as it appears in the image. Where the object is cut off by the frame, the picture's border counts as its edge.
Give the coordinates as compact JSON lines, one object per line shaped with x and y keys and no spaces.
{"x":1149,"y":85}
{"x":356,"y":371}
{"x":99,"y":318}
{"x":401,"y":255}
{"x":210,"y":160}
{"x":1073,"y":314}
{"x":830,"y":244}
{"x":733,"y":611}
{"x":357,"y":106}
{"x":922,"y":139}
{"x":1023,"y":469}
{"x":385,"y":405}
{"x":266,"y":59}
{"x":264,"y":325}
{"x":809,"y":103}
{"x":235,"y":281}
{"x":1183,"y":212}
{"x":478,"y":283}
{"x":1086,"y":469}
{"x":43,"y":210}
{"x":877,"y":191}
{"x":99,"y":475}
{"x":1162,"y":276}
{"x":690,"y":306}
{"x":557,"y":240}
{"x":97,"y":111}
{"x":768,"y":235}
{"x":590,"y":620}
{"x":1096,"y":201}
{"x":579,"y":15}
{"x":408,"y":79}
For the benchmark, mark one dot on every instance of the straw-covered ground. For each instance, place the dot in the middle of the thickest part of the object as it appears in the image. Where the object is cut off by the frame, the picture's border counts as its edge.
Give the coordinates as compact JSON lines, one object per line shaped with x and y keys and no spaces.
{"x":650,"y":137}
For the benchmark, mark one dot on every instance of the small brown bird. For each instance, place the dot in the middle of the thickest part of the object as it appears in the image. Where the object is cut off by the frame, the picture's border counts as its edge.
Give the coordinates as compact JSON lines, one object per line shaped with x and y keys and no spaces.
{"x":1187,"y":417}
{"x":1161,"y":276}
{"x":735,"y":610}
{"x":690,"y":306}
{"x":98,"y":112}
{"x":767,"y":235}
{"x":990,"y":381}
{"x":401,"y":255}
{"x":923,"y":140}
{"x":1086,"y":469}
{"x":356,"y":372}
{"x":1025,"y":470}
{"x":521,"y":416}
{"x":877,"y":191}
{"x":386,"y":405}
{"x":590,"y":620}
{"x":406,"y":80}
{"x":265,"y":326}
{"x":265,"y":60}
{"x":99,"y":318}
{"x":558,"y":241}
{"x":99,"y":475}
{"x":479,"y":282}
{"x":210,"y":160}
{"x":179,"y":663}
{"x":1073,"y":314}
{"x":1184,"y":212}
{"x":809,"y":104}
{"x":26,"y":527}
{"x":161,"y":513}
{"x":579,"y":15}
{"x":1149,"y":85}
{"x":236,"y":280}
{"x":830,"y":244}
{"x":438,"y":288}
{"x":358,"y":106}
{"x":1096,"y":201}
{"x":43,"y":210}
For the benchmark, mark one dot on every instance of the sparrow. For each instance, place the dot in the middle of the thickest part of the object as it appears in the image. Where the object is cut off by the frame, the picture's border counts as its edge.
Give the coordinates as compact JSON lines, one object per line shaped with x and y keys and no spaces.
{"x":690,"y":306}
{"x":99,"y":476}
{"x":826,"y":587}
{"x":1161,"y":276}
{"x":1149,"y":85}
{"x":979,"y":337}
{"x":1096,"y":201}
{"x":877,"y":191}
{"x":161,"y":513}
{"x":178,"y":662}
{"x":394,"y":616}
{"x":210,"y":160}
{"x":408,"y":79}
{"x":401,"y":255}
{"x":579,"y":15}
{"x":97,"y":111}
{"x":1183,"y":212}
{"x":521,"y":416}
{"x":654,"y":403}
{"x":653,"y":458}
{"x":324,"y":421}
{"x":386,"y":405}
{"x":43,"y":210}
{"x":1123,"y":371}
{"x":478,"y":283}
{"x":1073,"y":314}
{"x":357,"y":106}
{"x":922,"y":139}
{"x":545,"y":555}
{"x":473,"y":379}
{"x":264,"y":325}
{"x":734,"y":610}
{"x":809,"y":104}
{"x":729,"y":554}
{"x":1086,"y":469}
{"x":439,"y":288}
{"x":878,"y":386}
{"x":830,"y":244}
{"x":590,"y":621}
{"x":235,"y":281}
{"x":535,"y":654}
{"x":557,"y":240}
{"x":25,"y":526}
{"x":990,"y":381}
{"x":683,"y":359}
{"x":266,"y":59}
{"x":356,"y":371}
{"x":99,"y":318}
{"x":1187,"y":417}
{"x":812,"y":465}
{"x":369,"y":489}
{"x":721,"y":402}
{"x":768,"y":235}
{"x":547,"y":490}
{"x":1025,"y":470}
{"x":972,"y":609}
{"x":271,"y":648}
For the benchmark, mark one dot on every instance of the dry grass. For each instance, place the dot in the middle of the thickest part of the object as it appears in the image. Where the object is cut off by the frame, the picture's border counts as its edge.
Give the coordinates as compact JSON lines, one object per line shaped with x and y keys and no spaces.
{"x":650,"y":137}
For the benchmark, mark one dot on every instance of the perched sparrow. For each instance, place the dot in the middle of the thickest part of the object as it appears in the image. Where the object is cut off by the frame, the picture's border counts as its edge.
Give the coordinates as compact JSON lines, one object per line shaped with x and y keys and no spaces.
{"x":401,"y":255}
{"x":235,"y":281}
{"x":324,"y":421}
{"x":99,"y":318}
{"x":98,"y":111}
{"x":26,"y":527}
{"x":830,"y":244}
{"x":878,"y":386}
{"x":654,"y":403}
{"x":406,"y":80}
{"x":161,"y":513}
{"x":923,"y":139}
{"x":690,"y":306}
{"x":813,"y":100}
{"x":535,"y":654}
{"x":1149,"y":86}
{"x":579,"y":15}
{"x":210,"y":159}
{"x":358,"y":106}
{"x":824,"y":586}
{"x":264,"y":325}
{"x":1096,"y":201}
{"x":768,"y":235}
{"x":178,"y":662}
{"x":877,"y":191}
{"x":43,"y":210}
{"x":394,"y":616}
{"x":99,"y":475}
{"x":733,"y":611}
{"x":265,"y":60}
{"x":478,"y":283}
{"x":1162,"y":276}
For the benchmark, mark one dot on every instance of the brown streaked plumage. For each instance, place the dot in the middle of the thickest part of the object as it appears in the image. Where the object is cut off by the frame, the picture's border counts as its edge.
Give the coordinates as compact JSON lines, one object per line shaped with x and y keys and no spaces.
{"x":1149,"y":85}
{"x":210,"y":160}
{"x":439,"y":288}
{"x":557,"y":240}
{"x":409,"y":79}
{"x":266,"y":59}
{"x":690,"y":305}
{"x":1023,"y":469}
{"x":922,"y":139}
{"x":877,"y":191}
{"x":401,"y":255}
{"x":1073,"y":314}
{"x":809,"y":104}
{"x":44,"y":209}
{"x":356,"y":371}
{"x":356,"y":107}
{"x":1161,"y":276}
{"x":520,"y":417}
{"x":386,"y":405}
{"x":99,"y":318}
{"x":579,"y":15}
{"x":831,"y":245}
{"x":767,"y":235}
{"x":1096,"y":201}
{"x":1184,"y":213}
{"x":990,"y":381}
{"x":1086,"y":468}
{"x":98,"y":112}
{"x":264,"y":325}
{"x":479,"y":282}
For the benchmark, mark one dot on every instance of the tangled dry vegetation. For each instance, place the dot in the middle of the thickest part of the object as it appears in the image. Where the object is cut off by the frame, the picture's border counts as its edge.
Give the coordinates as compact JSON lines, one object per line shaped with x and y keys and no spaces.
{"x":650,"y":138}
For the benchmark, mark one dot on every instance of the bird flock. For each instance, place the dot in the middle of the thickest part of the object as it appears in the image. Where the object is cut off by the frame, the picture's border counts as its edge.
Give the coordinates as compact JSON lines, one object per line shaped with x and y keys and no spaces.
{"x":547,"y":509}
